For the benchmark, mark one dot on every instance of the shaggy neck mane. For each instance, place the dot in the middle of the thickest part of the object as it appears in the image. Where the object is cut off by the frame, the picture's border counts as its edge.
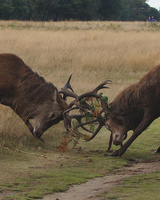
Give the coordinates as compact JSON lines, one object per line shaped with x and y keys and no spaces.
{"x":33,"y":89}
{"x":126,"y":105}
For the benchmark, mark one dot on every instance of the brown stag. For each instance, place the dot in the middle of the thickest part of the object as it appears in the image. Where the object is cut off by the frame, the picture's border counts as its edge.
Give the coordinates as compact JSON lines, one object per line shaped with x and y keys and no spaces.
{"x":31,"y":97}
{"x":135,"y":108}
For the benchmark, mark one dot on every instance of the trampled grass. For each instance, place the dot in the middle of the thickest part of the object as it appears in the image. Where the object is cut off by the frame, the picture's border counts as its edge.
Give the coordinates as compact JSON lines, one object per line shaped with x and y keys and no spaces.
{"x":93,"y":52}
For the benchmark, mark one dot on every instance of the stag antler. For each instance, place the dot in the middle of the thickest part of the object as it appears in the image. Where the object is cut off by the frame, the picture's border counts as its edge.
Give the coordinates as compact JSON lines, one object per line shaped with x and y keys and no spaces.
{"x":67,"y":92}
{"x":83,"y":104}
{"x":93,"y":93}
{"x":80,"y":103}
{"x":100,"y":119}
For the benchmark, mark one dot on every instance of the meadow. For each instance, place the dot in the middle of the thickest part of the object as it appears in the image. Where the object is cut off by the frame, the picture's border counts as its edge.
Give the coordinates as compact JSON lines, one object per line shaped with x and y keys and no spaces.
{"x":92,"y":52}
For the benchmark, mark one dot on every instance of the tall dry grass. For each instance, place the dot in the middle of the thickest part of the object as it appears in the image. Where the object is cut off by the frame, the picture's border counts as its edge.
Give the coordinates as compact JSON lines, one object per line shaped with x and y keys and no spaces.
{"x":120,"y":51}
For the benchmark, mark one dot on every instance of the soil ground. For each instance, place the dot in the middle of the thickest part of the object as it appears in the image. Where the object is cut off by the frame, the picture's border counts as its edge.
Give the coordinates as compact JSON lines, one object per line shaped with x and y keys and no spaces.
{"x":94,"y":187}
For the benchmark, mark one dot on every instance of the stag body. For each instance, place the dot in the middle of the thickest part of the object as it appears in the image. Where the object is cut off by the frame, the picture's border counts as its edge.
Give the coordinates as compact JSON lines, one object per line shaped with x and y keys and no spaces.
{"x":135,"y":108}
{"x":29,"y":95}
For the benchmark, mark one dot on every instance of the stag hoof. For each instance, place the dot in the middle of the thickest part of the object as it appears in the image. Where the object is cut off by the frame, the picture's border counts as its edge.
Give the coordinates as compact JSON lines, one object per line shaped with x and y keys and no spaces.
{"x":115,"y":153}
{"x":39,"y":138}
{"x":109,"y":151}
{"x":111,"y":154}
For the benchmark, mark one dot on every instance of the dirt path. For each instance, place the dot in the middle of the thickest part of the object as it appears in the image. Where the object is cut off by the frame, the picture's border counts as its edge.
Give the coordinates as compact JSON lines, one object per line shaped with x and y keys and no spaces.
{"x":94,"y":187}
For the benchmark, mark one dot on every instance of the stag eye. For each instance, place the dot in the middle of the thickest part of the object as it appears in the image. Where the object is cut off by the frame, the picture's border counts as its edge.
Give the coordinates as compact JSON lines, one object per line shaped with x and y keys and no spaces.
{"x":53,"y":116}
{"x":107,"y":126}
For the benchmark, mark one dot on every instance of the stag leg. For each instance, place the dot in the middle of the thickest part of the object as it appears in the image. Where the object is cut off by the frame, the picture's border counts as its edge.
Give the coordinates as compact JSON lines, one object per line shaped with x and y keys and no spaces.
{"x":29,"y":125}
{"x":158,"y":150}
{"x":110,"y":143}
{"x":147,"y":120}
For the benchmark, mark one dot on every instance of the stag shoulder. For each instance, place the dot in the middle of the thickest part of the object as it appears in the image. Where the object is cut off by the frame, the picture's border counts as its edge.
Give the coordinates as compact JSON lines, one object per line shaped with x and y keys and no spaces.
{"x":139,"y":95}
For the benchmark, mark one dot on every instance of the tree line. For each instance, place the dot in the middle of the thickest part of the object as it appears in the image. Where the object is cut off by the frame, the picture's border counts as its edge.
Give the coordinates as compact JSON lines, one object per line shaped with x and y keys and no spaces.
{"x":56,"y":10}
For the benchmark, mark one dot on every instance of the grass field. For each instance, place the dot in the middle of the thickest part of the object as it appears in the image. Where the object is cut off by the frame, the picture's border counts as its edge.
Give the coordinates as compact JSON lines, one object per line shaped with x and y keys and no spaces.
{"x":93,"y":52}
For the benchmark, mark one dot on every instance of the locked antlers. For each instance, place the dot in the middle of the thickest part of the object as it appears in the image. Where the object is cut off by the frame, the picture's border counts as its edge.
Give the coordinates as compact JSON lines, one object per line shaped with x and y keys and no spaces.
{"x":81,"y":103}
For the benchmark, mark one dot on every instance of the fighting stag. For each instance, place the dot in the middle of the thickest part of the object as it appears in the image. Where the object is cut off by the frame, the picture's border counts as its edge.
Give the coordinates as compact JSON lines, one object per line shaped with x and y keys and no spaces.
{"x":31,"y":97}
{"x":135,"y":108}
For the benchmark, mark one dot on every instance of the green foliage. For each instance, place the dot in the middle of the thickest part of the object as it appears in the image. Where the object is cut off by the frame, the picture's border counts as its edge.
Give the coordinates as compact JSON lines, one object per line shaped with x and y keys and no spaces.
{"x":137,"y":11}
{"x":21,"y":9}
{"x":110,"y":9}
{"x":6,"y":9}
{"x":44,"y":10}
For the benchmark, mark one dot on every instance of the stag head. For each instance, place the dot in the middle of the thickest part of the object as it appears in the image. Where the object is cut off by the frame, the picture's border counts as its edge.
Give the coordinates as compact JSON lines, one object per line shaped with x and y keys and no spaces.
{"x":114,"y":123}
{"x":49,"y":113}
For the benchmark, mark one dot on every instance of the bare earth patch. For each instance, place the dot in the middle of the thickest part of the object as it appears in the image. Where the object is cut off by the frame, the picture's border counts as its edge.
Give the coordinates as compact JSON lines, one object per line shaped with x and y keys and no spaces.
{"x":94,"y":187}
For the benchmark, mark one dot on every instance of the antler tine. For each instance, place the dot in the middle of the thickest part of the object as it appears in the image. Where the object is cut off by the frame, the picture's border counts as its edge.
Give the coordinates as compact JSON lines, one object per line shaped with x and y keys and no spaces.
{"x":79,"y":118}
{"x":82,"y":107}
{"x":69,"y":109}
{"x":67,"y":85}
{"x":99,"y":119}
{"x":95,"y":133}
{"x":85,"y":123}
{"x":67,"y":92}
{"x":102,"y":85}
{"x":93,"y":93}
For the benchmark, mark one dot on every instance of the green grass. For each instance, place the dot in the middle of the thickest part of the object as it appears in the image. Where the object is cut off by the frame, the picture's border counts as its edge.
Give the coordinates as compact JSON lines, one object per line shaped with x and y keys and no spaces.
{"x":32,"y":176}
{"x":32,"y":173}
{"x":140,"y":187}
{"x":77,"y":25}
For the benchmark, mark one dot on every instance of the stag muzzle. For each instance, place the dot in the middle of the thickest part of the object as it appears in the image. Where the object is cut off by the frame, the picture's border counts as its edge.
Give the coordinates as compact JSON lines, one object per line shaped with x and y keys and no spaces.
{"x":118,"y":138}
{"x":39,"y":129}
{"x":115,"y":142}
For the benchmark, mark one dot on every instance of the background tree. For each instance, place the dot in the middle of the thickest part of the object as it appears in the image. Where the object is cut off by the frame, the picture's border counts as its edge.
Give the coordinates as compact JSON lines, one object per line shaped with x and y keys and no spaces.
{"x":137,"y":10}
{"x":78,"y":9}
{"x":20,"y":9}
{"x":44,"y":10}
{"x":111,"y":10}
{"x":6,"y":9}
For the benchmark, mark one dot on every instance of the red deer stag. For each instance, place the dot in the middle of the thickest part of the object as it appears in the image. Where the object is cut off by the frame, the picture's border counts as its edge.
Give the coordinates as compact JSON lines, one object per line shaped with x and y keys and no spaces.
{"x":135,"y":108}
{"x":31,"y":97}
